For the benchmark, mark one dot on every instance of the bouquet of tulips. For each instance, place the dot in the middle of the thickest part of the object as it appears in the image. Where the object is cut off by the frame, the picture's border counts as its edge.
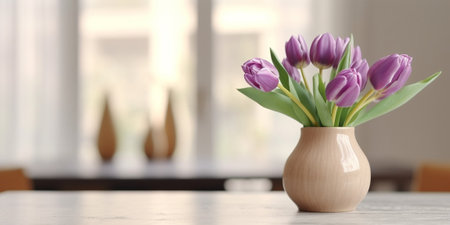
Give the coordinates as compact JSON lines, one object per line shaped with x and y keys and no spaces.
{"x":283,"y":86}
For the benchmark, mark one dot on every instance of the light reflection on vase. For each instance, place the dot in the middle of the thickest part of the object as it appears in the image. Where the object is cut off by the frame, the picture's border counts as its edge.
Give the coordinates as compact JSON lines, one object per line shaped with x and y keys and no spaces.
{"x":349,"y":160}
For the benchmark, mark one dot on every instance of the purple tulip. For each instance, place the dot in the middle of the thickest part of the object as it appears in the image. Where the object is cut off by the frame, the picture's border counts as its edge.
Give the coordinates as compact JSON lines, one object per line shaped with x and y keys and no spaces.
{"x":356,"y":54}
{"x":323,"y":51}
{"x":260,"y":74}
{"x":340,"y":48}
{"x":361,"y":66}
{"x":297,"y":52}
{"x":344,"y":89}
{"x":292,"y":71}
{"x":390,"y":73}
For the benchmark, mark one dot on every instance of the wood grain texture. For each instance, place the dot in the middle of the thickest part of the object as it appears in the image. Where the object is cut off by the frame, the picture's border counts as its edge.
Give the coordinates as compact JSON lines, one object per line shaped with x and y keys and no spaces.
{"x":131,"y":208}
{"x":327,"y":171}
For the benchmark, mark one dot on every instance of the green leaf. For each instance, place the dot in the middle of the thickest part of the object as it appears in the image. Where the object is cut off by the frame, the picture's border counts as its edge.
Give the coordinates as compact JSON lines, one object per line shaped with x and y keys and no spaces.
{"x":322,"y":108}
{"x":322,"y":88}
{"x":338,"y":117}
{"x":300,"y":114}
{"x":306,"y":98}
{"x":346,"y":59}
{"x":284,"y":76}
{"x":394,"y":101}
{"x":271,"y":100}
{"x":343,"y":115}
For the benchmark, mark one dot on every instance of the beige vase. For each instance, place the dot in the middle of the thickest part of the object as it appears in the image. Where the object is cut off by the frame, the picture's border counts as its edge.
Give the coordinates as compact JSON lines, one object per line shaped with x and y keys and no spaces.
{"x":327,"y":171}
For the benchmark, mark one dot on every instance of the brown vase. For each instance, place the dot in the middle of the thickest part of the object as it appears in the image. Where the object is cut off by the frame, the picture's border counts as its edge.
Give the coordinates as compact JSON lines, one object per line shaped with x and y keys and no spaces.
{"x":106,"y":141}
{"x":169,"y":128}
{"x":327,"y":171}
{"x":149,"y":146}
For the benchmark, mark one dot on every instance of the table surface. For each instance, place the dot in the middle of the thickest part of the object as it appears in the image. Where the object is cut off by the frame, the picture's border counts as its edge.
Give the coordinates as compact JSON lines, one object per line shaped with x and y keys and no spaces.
{"x":152,"y":207}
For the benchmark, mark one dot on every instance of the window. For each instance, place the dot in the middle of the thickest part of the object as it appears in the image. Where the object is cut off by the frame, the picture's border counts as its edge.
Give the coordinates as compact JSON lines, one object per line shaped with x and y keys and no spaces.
{"x":133,"y":53}
{"x":243,"y":30}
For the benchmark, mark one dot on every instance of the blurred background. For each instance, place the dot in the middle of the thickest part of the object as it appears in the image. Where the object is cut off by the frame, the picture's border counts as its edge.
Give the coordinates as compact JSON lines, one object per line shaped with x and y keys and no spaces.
{"x":60,"y":61}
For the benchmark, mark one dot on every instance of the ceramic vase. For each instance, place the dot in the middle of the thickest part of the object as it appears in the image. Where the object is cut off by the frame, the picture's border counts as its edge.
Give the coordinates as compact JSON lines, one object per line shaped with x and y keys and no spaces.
{"x":106,"y":141}
{"x":327,"y":171}
{"x":169,"y":128}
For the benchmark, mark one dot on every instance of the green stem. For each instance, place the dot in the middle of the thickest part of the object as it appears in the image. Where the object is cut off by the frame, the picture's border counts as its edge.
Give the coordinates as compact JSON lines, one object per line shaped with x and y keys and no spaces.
{"x":365,"y":100}
{"x":320,"y":75}
{"x":299,"y":104}
{"x":333,"y":113}
{"x":333,"y":74}
{"x":304,"y":79}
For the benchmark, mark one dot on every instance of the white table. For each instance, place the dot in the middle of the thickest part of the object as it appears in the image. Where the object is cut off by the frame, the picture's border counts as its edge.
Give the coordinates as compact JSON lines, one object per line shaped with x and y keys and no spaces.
{"x":146,"y":207}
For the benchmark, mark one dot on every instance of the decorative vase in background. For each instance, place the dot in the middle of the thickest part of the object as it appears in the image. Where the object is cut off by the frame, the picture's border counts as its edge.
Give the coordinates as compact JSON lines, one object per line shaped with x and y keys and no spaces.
{"x":327,"y":171}
{"x":169,"y":128}
{"x":160,"y":142}
{"x":106,"y":141}
{"x":149,"y":146}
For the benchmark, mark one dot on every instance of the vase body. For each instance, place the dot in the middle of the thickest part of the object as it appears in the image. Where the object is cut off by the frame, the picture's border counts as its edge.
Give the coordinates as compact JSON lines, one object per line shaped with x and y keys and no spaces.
{"x":106,"y":141}
{"x":327,"y":171}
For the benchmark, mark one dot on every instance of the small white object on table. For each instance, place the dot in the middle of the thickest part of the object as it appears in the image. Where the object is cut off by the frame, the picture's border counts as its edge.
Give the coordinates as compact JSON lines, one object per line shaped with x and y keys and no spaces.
{"x":155,"y":207}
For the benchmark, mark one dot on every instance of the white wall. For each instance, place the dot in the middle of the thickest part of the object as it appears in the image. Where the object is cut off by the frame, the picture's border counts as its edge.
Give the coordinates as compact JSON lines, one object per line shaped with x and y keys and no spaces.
{"x":418,"y":131}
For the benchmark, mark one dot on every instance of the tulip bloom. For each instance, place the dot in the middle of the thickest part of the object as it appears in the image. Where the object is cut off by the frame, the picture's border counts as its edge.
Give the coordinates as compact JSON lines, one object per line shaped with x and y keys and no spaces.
{"x":292,"y":71}
{"x":340,"y":48}
{"x":390,"y":73}
{"x":297,"y":52}
{"x":345,"y":88}
{"x":323,"y":51}
{"x":260,"y":74}
{"x":361,"y":66}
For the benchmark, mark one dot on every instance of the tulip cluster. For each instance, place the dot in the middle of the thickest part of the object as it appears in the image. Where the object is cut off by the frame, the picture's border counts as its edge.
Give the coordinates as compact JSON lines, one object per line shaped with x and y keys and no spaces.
{"x":338,"y":102}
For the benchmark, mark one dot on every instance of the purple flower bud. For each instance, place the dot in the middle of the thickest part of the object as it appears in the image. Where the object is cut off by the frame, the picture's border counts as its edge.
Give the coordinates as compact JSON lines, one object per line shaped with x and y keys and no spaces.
{"x":323,"y":51}
{"x":260,"y":74}
{"x":292,"y":71}
{"x":356,"y":54}
{"x":297,"y":52}
{"x":361,"y":66}
{"x":390,"y":73}
{"x":344,"y":89}
{"x":340,"y":48}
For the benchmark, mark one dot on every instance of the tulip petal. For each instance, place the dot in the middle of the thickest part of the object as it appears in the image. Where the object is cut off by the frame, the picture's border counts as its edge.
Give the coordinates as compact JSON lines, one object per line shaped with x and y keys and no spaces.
{"x":297,"y":51}
{"x":266,"y":79}
{"x":292,"y":71}
{"x":349,"y":96}
{"x":383,"y":71}
{"x":261,"y":74}
{"x":251,"y":80}
{"x":323,"y":51}
{"x":334,"y":87}
{"x":398,"y":84}
{"x":356,"y":54}
{"x":340,"y":48}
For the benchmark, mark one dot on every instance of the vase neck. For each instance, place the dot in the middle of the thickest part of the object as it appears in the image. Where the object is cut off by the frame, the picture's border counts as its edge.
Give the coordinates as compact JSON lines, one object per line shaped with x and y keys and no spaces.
{"x":327,"y":131}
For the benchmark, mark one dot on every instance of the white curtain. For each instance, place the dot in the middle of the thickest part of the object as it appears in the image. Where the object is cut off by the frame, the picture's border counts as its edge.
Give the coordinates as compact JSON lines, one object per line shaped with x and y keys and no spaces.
{"x":38,"y":81}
